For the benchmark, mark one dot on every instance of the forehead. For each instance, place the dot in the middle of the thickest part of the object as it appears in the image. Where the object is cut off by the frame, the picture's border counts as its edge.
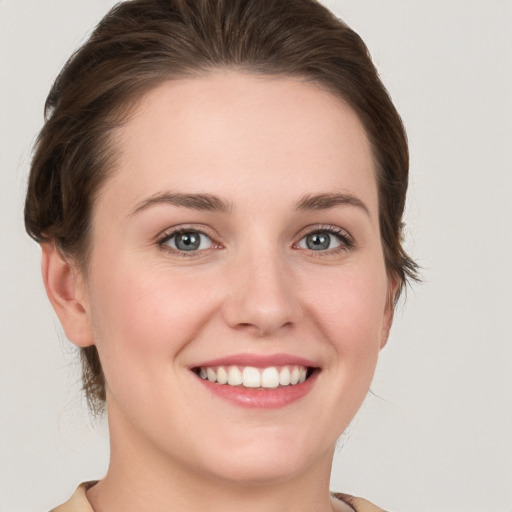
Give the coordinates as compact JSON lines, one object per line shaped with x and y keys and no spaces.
{"x":229,"y":131}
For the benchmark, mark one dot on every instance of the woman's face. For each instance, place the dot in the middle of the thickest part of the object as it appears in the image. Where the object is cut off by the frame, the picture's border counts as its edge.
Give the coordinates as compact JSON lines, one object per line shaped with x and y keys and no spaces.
{"x":238,"y":239}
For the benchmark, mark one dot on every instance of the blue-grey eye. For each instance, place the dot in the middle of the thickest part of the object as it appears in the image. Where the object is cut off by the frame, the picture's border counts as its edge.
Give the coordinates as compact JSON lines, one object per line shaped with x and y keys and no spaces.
{"x":189,"y":241}
{"x":320,"y":241}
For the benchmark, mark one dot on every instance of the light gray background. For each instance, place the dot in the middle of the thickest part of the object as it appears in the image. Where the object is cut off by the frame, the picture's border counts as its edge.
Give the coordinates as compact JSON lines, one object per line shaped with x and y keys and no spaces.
{"x":439,"y":437}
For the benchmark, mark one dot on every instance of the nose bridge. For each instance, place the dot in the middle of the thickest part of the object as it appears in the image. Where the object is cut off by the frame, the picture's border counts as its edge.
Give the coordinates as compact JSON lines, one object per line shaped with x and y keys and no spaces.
{"x":262,"y":295}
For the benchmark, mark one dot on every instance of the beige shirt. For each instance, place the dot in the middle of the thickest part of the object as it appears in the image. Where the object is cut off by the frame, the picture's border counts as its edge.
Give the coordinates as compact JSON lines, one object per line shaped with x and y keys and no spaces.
{"x":79,"y":502}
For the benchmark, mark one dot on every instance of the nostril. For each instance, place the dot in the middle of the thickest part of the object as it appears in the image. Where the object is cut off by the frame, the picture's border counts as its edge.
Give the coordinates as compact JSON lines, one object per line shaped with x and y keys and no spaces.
{"x":261,"y":329}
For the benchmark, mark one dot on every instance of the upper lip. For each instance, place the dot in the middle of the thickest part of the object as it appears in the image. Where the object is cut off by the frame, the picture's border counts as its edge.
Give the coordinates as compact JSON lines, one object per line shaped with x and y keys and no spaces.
{"x":257,"y":361}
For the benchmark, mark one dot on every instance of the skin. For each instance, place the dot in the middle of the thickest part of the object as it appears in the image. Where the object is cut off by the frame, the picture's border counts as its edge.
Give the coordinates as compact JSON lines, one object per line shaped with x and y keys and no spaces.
{"x":261,"y":144}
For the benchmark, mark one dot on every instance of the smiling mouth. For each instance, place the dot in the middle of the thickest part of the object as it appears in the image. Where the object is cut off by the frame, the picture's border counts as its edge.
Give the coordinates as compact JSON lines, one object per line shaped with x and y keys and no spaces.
{"x":272,"y":377}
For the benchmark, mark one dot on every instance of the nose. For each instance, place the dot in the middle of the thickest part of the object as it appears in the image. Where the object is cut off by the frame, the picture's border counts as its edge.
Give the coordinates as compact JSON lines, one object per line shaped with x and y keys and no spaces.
{"x":261,"y":297}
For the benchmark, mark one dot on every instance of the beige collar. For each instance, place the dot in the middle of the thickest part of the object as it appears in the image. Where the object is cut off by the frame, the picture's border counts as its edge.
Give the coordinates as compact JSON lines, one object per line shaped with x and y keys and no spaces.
{"x":79,"y":502}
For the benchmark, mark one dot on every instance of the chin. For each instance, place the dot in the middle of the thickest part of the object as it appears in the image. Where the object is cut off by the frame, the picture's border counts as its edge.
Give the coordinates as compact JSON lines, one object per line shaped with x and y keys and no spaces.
{"x":272,"y":461}
{"x":259,"y":473}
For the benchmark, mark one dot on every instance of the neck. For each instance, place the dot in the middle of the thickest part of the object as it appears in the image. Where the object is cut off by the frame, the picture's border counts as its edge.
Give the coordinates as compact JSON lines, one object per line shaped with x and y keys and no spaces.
{"x":142,"y":493}
{"x":140,"y":478}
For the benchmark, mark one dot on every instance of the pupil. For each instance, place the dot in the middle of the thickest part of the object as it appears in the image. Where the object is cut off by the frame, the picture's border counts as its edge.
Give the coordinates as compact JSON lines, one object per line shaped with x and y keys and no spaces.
{"x":318,"y":241}
{"x":187,"y":241}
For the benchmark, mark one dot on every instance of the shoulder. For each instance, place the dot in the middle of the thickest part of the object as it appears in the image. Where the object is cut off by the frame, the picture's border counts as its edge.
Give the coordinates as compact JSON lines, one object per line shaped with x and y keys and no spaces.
{"x":78,"y":502}
{"x":358,"y":504}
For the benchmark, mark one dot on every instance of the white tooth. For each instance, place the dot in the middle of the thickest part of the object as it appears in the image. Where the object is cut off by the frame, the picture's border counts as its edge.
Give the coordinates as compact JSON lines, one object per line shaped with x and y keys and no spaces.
{"x":210,"y":373}
{"x":302,"y":374}
{"x":269,"y":378}
{"x":234,"y":376}
{"x":251,"y":377}
{"x":294,"y":377}
{"x":222,"y":375}
{"x":284,"y":376}
{"x":202,"y":373}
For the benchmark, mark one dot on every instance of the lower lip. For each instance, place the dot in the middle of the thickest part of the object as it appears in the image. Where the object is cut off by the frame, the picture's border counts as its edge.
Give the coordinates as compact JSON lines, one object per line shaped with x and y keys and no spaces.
{"x":261,"y":398}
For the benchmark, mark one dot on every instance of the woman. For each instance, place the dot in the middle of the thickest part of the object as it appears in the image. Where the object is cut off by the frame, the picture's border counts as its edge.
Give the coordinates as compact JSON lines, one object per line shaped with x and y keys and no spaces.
{"x":218,"y":191}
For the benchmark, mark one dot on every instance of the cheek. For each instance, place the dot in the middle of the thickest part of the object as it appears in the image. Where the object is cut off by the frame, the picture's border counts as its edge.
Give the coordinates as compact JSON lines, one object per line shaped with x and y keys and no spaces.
{"x":145,"y":314}
{"x":350,"y":305}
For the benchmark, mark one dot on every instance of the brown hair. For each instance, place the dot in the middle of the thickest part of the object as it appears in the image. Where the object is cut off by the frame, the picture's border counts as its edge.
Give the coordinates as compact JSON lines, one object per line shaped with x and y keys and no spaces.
{"x":140,"y":43}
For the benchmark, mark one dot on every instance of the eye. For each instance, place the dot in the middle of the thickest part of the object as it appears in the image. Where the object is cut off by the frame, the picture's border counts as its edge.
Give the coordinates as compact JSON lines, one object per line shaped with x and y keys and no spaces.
{"x":325,"y":240}
{"x":187,"y":240}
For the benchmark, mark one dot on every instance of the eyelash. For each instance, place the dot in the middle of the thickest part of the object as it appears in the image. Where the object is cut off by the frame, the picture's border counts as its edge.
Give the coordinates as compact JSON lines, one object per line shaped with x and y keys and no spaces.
{"x":162,"y":242}
{"x":347,"y":242}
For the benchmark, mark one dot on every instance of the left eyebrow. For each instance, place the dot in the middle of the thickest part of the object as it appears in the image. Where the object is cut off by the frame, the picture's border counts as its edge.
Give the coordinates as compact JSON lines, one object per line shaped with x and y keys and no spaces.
{"x":327,"y":201}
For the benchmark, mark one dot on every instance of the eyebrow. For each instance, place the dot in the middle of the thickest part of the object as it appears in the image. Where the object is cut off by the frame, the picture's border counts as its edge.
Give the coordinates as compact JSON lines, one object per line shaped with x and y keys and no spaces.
{"x":210,"y":202}
{"x":326,"y":201}
{"x":204,"y":202}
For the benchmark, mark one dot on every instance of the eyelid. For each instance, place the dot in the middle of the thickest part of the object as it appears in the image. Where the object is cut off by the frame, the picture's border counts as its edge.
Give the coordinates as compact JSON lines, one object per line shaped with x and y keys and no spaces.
{"x":169,"y":233}
{"x":347,"y":240}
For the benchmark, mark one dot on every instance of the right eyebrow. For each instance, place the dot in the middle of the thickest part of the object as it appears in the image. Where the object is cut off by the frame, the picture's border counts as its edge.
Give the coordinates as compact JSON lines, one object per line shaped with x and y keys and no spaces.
{"x":205,"y":202}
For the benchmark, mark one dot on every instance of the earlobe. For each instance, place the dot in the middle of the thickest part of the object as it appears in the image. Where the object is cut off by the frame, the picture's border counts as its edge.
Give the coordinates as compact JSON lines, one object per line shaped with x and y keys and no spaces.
{"x":389,"y":311}
{"x":62,"y":287}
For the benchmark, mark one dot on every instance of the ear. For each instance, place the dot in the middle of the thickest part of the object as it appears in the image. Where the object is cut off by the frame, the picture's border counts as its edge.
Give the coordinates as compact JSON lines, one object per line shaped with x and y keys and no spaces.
{"x":65,"y":289}
{"x":389,"y":310}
